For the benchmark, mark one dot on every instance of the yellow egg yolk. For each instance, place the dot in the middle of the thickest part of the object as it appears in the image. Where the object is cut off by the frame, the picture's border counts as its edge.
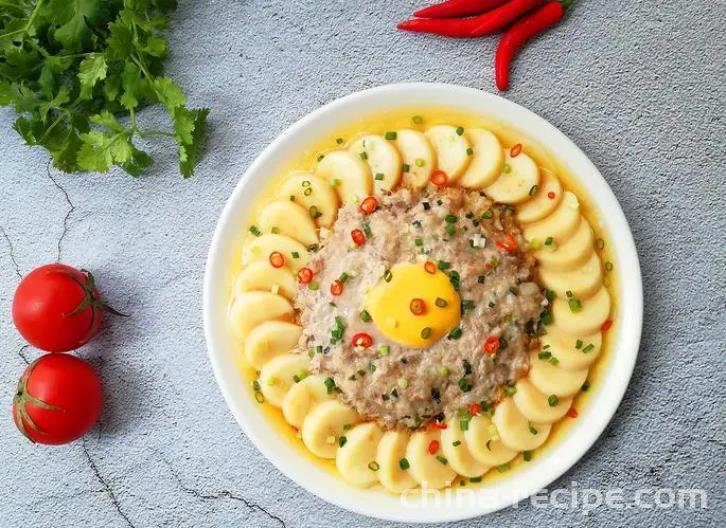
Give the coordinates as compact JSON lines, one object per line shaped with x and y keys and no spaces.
{"x":389,"y":304}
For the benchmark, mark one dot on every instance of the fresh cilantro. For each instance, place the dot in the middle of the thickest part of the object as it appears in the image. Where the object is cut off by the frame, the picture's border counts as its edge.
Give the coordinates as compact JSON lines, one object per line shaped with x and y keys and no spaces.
{"x":78,"y":72}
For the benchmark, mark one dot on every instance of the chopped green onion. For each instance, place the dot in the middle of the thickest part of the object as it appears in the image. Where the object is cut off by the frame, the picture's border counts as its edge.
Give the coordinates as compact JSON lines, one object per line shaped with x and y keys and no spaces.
{"x":391,"y":135}
{"x":426,"y":206}
{"x":406,"y":167}
{"x":365,"y":316}
{"x":456,"y":443}
{"x":599,"y":243}
{"x":379,"y":176}
{"x":314,"y":212}
{"x":443,"y":371}
{"x":342,"y":441}
{"x":527,"y":455}
{"x":486,"y":215}
{"x":418,"y":242}
{"x":426,"y":332}
{"x":339,"y":141}
{"x":363,"y":156}
{"x":420,"y":162}
{"x":373,"y":466}
{"x":329,"y":385}
{"x":553,"y":400}
{"x":450,"y":229}
{"x":259,"y":397}
{"x":443,"y":265}
{"x":470,"y":151}
{"x":367,"y":229}
{"x":295,"y":254}
{"x":402,"y":383}
{"x":533,"y":190}
{"x":588,"y":348}
{"x":503,"y":468}
{"x":459,"y":131}
{"x":442,"y":459}
{"x":578,"y":344}
{"x":450,"y":218}
{"x":417,"y":119}
{"x":387,"y":275}
{"x":384,"y":350}
{"x":575,"y":305}
{"x":441,"y":303}
{"x":585,"y":386}
{"x":255,"y":230}
{"x":475,"y":479}
{"x":510,"y":390}
{"x":308,"y":191}
{"x":608,"y":266}
{"x":320,"y":158}
{"x":403,"y":464}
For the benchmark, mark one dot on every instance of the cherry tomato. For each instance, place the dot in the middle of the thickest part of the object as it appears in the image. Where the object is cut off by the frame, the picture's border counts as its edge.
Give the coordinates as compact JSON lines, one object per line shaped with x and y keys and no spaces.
{"x":57,"y":308}
{"x":59,"y":399}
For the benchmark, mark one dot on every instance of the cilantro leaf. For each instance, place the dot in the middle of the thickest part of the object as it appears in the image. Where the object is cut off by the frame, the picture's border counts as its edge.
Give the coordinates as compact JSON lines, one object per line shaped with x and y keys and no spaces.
{"x":79,"y":74}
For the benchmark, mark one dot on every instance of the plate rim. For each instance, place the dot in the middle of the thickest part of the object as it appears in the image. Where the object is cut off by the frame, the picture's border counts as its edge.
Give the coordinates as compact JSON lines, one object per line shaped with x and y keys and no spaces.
{"x":549,"y":468}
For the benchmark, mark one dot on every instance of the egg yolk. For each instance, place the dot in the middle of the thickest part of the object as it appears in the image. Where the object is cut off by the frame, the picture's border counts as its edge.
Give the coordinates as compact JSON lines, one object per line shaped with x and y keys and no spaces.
{"x":419,"y":326}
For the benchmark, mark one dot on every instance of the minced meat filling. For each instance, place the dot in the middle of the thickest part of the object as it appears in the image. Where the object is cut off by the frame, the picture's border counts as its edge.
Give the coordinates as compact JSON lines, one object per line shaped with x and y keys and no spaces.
{"x":479,"y":246}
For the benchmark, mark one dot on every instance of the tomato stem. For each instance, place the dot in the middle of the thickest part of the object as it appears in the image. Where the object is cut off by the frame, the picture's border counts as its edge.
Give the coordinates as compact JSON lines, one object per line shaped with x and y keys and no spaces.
{"x":22,"y":399}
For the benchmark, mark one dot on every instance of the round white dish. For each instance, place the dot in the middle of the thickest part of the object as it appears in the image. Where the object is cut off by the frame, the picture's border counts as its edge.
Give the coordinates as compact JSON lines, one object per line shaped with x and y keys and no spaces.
{"x":223,"y":349}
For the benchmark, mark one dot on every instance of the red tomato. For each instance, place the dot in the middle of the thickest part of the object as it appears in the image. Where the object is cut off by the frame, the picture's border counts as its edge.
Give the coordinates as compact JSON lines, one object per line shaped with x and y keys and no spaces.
{"x":58,"y":400}
{"x":58,"y":308}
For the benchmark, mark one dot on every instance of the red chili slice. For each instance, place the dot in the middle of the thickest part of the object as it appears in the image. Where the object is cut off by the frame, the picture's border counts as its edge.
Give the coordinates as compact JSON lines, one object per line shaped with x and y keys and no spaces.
{"x":606,"y":325}
{"x":430,"y":267}
{"x":434,"y":446}
{"x":439,"y":425}
{"x":572,"y":412}
{"x":551,"y":195}
{"x":509,"y":244}
{"x":439,"y":178}
{"x":369,"y":205}
{"x":491,"y":345}
{"x":516,"y":150}
{"x":362,"y":339}
{"x":305,"y":276}
{"x":417,"y":306}
{"x":474,"y":409}
{"x":336,"y":288}
{"x":277,"y":259}
{"x":358,"y":237}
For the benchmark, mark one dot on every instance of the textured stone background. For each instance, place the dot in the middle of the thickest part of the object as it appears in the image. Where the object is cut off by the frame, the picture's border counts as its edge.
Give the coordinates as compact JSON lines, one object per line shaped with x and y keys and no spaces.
{"x":639,"y":87}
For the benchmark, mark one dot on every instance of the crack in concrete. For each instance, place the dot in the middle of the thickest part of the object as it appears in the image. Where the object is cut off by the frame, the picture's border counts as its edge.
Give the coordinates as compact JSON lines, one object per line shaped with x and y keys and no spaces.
{"x":106,"y":486}
{"x":21,"y":353}
{"x":12,"y":252}
{"x":71,"y":208}
{"x":225,"y":494}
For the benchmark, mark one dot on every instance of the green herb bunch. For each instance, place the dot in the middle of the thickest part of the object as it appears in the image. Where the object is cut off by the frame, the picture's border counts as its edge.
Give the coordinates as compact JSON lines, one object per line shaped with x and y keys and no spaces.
{"x":78,"y":71}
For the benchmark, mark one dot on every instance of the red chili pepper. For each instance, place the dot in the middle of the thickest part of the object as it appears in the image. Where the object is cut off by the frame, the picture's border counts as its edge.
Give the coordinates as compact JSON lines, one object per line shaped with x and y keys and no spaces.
{"x":516,"y":150}
{"x":434,"y":446}
{"x":509,"y":244}
{"x":277,"y":259}
{"x":474,"y":409}
{"x":491,"y":345}
{"x":369,"y":205}
{"x":336,"y":288}
{"x":417,"y":306}
{"x":606,"y":325}
{"x":439,"y":178}
{"x":358,"y":237}
{"x":551,"y":195}
{"x":430,"y":267}
{"x":516,"y":36}
{"x":478,"y":26}
{"x":362,"y":339}
{"x":439,"y":425}
{"x":305,"y":276}
{"x":458,"y":8}
{"x":572,"y":412}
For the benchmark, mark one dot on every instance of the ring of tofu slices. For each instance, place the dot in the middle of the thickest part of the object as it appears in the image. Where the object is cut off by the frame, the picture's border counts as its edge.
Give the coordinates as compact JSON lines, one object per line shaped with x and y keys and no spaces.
{"x":261,"y":313}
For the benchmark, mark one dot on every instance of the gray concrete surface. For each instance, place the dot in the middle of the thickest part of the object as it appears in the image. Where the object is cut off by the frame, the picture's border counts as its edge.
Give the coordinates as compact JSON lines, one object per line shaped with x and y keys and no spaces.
{"x":639,"y":86}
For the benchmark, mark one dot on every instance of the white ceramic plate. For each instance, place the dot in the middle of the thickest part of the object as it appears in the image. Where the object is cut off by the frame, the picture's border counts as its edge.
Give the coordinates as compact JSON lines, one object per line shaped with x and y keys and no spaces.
{"x":223,"y":349}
